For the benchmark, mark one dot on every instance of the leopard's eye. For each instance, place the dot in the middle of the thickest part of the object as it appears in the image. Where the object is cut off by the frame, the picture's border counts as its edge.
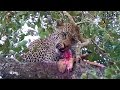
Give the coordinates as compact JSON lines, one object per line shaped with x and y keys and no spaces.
{"x":64,"y":35}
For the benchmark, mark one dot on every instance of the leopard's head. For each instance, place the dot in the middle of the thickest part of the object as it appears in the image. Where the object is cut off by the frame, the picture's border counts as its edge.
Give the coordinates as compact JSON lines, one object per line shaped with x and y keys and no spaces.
{"x":64,"y":42}
{"x":66,"y":34}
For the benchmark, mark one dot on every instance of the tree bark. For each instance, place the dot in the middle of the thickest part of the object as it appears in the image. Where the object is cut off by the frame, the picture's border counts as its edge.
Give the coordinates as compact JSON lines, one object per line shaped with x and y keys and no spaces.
{"x":13,"y":69}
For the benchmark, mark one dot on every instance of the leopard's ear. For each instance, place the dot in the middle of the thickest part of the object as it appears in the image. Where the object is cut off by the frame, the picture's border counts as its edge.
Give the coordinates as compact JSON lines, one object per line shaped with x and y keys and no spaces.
{"x":59,"y":23}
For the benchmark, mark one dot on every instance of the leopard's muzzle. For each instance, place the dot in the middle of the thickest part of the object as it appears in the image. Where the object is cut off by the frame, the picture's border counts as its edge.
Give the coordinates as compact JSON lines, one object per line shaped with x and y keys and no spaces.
{"x":62,"y":47}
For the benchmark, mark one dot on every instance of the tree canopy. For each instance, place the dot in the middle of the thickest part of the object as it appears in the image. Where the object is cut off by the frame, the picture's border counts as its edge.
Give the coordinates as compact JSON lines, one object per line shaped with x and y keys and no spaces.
{"x":103,"y":27}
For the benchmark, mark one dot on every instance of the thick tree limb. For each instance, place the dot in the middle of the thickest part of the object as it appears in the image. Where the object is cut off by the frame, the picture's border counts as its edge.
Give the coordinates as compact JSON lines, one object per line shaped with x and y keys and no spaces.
{"x":12,"y":69}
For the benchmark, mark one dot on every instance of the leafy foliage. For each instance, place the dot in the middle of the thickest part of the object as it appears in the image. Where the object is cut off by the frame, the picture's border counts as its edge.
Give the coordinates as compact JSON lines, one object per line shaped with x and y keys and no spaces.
{"x":102,"y":26}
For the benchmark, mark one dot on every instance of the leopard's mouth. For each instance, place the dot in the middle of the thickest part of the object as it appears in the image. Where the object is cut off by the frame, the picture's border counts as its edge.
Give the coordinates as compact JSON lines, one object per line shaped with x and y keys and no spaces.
{"x":62,"y":48}
{"x":65,"y":52}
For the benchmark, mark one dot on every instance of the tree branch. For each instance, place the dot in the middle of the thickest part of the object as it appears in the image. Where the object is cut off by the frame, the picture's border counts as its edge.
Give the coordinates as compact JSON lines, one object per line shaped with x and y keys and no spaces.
{"x":12,"y":69}
{"x":70,"y":17}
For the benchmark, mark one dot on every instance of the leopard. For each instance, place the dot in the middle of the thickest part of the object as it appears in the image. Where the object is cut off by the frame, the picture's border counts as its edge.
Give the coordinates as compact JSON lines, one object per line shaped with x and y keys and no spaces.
{"x":49,"y":49}
{"x":65,"y":38}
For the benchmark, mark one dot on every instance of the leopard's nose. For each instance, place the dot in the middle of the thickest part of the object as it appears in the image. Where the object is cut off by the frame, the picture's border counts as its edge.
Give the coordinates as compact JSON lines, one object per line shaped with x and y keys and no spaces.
{"x":58,"y":46}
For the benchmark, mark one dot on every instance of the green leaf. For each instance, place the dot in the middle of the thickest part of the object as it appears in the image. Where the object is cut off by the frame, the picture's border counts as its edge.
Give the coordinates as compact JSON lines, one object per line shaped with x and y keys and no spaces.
{"x":22,"y":43}
{"x":108,"y":72}
{"x":6,"y":47}
{"x":25,"y":50}
{"x":42,"y":13}
{"x":55,"y":15}
{"x":20,"y":13}
{"x":31,"y":25}
{"x":38,"y":23}
{"x":17,"y":49}
{"x":116,"y":76}
{"x":93,"y":74}
{"x":22,"y":37}
{"x":12,"y":52}
{"x":84,"y":76}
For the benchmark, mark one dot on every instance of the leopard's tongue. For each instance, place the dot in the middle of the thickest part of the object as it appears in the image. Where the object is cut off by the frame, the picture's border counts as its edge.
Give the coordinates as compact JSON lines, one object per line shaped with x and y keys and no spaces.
{"x":67,"y":54}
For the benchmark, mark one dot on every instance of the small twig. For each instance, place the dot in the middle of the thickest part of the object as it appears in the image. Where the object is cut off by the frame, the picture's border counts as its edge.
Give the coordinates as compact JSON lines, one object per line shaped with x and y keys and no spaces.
{"x":82,"y":22}
{"x":103,"y":51}
{"x":87,"y":61}
{"x":94,"y":63}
